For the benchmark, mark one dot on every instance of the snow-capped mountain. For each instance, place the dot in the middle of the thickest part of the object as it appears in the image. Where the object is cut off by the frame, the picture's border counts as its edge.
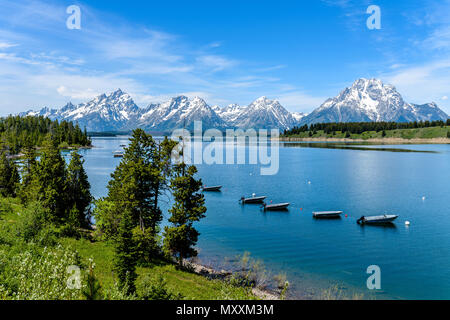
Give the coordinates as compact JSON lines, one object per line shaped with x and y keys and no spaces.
{"x":365,"y":100}
{"x":44,"y":112}
{"x":230,"y":112}
{"x":114,"y":112}
{"x":298,"y":116}
{"x":179,"y":112}
{"x":371,"y":100}
{"x":428,"y":111}
{"x":264,"y":113}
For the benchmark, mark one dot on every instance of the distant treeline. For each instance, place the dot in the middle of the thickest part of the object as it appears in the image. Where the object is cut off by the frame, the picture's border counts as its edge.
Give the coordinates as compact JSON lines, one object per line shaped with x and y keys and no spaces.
{"x":18,"y":132}
{"x":360,"y":127}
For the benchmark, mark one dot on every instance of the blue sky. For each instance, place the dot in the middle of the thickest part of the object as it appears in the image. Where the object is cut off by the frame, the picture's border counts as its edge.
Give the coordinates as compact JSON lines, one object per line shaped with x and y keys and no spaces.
{"x":299,"y":52}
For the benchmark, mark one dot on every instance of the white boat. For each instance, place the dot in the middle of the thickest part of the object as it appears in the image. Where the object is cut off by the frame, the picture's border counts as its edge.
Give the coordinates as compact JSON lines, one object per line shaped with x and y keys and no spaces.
{"x":327,"y":214}
{"x":386,"y":218}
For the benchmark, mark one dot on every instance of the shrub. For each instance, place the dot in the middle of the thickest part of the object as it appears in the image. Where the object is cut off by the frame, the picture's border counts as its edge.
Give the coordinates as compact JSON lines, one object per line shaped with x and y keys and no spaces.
{"x":31,"y":275}
{"x":63,"y":145}
{"x":147,"y":247}
{"x":33,"y":226}
{"x":155,"y":289}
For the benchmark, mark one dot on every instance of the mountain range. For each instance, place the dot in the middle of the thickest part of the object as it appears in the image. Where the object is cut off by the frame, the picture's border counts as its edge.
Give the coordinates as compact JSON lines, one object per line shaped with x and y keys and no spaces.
{"x":366,"y":100}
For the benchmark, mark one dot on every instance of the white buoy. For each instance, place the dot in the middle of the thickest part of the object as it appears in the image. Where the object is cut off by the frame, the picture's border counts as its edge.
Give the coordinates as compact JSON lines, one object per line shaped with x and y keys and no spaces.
{"x":423,"y":198}
{"x":407,"y":223}
{"x":309,"y":182}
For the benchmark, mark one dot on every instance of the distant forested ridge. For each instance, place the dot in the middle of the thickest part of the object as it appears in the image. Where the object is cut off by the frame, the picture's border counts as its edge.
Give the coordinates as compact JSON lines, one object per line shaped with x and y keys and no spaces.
{"x":360,"y":127}
{"x":17,"y":132}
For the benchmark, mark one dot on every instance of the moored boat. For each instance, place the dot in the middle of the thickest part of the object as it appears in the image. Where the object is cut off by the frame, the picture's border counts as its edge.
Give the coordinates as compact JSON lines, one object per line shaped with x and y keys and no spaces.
{"x":276,"y":206}
{"x":327,"y":214}
{"x":118,"y":154}
{"x":382,"y":219}
{"x":213,"y":188}
{"x":253,"y":199}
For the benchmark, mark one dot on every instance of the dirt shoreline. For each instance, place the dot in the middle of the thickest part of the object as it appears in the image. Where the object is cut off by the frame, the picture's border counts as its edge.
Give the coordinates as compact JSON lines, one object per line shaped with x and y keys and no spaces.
{"x":223,"y":274}
{"x":376,"y":140}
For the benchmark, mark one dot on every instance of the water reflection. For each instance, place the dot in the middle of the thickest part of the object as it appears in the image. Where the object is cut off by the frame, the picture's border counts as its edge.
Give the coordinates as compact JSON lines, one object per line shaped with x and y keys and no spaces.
{"x":348,"y":146}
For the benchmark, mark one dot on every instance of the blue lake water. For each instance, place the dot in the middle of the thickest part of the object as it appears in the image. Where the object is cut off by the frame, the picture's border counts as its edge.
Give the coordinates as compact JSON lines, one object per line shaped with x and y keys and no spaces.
{"x":317,"y":254}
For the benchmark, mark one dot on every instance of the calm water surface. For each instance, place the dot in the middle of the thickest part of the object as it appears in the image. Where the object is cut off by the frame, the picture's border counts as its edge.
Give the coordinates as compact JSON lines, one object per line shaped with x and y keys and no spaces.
{"x":317,"y":254}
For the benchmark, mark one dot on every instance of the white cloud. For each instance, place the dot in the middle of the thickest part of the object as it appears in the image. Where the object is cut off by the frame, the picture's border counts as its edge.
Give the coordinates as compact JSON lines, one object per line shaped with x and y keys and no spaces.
{"x":216,"y":63}
{"x":6,"y":45}
{"x":298,"y":101}
{"x":424,"y":83}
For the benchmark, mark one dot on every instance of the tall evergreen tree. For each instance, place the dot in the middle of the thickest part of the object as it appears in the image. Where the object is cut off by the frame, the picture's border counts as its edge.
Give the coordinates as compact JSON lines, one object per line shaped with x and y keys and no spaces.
{"x":138,"y":181}
{"x":28,"y":167}
{"x":189,"y":206}
{"x":48,"y":185}
{"x":131,"y":185}
{"x":78,"y":189}
{"x":161,"y":171}
{"x":9,"y":176}
{"x":125,"y":254}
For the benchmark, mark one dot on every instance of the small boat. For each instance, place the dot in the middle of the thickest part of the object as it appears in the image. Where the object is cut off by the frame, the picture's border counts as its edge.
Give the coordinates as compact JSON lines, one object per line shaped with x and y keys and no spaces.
{"x":276,"y":206}
{"x":118,"y":154}
{"x":386,"y":218}
{"x":123,"y":145}
{"x":253,"y":199}
{"x":214,"y":188}
{"x":327,"y":214}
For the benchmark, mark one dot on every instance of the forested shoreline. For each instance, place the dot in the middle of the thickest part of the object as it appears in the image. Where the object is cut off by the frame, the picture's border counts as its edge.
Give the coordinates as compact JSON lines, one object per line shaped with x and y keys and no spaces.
{"x":17,"y":133}
{"x":372,"y":130}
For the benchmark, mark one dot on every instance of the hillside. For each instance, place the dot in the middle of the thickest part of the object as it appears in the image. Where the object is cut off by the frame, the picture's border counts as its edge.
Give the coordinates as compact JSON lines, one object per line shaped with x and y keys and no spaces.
{"x":192,"y":286}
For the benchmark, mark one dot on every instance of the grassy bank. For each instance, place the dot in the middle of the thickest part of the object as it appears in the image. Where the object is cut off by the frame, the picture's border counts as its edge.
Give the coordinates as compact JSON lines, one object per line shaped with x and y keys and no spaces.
{"x":427,"y":135}
{"x":15,"y":224}
{"x":189,"y":284}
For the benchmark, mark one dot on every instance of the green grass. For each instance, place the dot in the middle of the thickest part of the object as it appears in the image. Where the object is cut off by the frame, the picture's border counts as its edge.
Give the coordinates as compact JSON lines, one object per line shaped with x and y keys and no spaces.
{"x":420,"y":133}
{"x":10,"y":209}
{"x":192,"y":286}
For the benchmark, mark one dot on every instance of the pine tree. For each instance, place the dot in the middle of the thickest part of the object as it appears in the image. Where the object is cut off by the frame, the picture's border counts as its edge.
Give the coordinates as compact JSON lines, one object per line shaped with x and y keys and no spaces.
{"x":131,"y":185}
{"x":92,"y":291}
{"x":181,"y":237}
{"x":28,"y":168}
{"x":9,"y":176}
{"x":136,"y":185}
{"x":78,"y":189}
{"x":48,"y":183}
{"x":125,"y":254}
{"x":162,"y":169}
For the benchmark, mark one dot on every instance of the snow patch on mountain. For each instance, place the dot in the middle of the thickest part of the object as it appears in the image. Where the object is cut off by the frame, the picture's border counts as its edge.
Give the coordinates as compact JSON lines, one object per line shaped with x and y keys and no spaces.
{"x":372,"y":100}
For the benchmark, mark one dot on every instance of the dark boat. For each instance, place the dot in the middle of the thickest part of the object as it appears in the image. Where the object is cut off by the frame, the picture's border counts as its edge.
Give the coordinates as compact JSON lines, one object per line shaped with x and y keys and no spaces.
{"x":383,"y":219}
{"x":327,"y":214}
{"x":214,"y":188}
{"x":276,"y":206}
{"x":253,"y":199}
{"x":118,"y":154}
